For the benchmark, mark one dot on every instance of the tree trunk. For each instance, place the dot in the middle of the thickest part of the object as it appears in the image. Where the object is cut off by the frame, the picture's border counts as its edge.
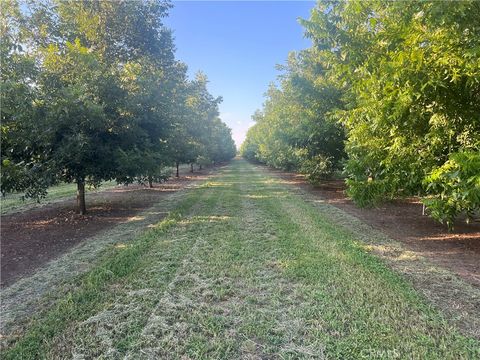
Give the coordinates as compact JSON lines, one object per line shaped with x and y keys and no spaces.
{"x":150,"y":182}
{"x":191,"y":167}
{"x":200,"y":167}
{"x":177,"y":168}
{"x":82,"y":208}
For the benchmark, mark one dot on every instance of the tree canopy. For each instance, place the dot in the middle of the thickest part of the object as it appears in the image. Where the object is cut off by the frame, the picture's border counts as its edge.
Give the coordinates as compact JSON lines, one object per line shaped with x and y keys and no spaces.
{"x":92,"y":91}
{"x":389,"y":92}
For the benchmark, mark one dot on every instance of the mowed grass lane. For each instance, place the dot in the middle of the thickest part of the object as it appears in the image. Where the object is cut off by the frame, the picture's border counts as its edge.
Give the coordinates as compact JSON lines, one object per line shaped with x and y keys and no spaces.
{"x":244,"y":268}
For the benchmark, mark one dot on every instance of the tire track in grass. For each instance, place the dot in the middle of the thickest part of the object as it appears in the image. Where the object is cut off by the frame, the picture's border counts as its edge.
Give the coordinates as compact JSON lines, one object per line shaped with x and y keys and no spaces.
{"x":456,"y":299}
{"x":271,"y":327}
{"x":175,"y":322}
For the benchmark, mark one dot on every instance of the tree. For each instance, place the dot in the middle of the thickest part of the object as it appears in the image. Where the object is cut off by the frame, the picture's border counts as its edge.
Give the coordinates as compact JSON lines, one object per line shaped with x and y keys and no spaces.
{"x":296,"y":129}
{"x":91,"y":91}
{"x":83,"y":136}
{"x":412,"y":72}
{"x":399,"y":82}
{"x":82,"y":107}
{"x":19,"y":165}
{"x":194,"y":133}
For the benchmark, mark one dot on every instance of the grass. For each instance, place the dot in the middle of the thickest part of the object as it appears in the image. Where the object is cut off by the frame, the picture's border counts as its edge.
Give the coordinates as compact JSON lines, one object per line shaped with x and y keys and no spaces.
{"x":15,"y":202}
{"x":242,"y":268}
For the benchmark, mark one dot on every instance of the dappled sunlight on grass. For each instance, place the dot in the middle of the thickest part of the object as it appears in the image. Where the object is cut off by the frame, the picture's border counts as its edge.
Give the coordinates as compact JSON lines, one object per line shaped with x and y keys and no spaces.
{"x":136,"y":218}
{"x":318,"y":201}
{"x":153,"y":212}
{"x":392,"y":253}
{"x":272,"y":181}
{"x":280,"y":264}
{"x":215,"y":184}
{"x":273,"y":195}
{"x":408,"y":255}
{"x":135,"y":189}
{"x":279,"y":181}
{"x":257,"y":196}
{"x":205,"y":219}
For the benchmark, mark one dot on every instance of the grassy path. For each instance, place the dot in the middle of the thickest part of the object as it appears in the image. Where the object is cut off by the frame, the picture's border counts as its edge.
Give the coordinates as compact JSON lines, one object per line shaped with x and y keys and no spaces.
{"x":243,"y":268}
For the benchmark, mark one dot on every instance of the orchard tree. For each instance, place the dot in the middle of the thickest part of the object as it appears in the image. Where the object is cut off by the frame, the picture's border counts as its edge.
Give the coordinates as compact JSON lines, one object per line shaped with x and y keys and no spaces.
{"x":413,"y":73}
{"x":83,"y":137}
{"x":191,"y":136}
{"x":91,"y":91}
{"x":19,"y":157}
{"x":84,"y":51}
{"x":222,"y":145}
{"x":400,"y":82}
{"x":154,"y":101}
{"x":296,"y":129}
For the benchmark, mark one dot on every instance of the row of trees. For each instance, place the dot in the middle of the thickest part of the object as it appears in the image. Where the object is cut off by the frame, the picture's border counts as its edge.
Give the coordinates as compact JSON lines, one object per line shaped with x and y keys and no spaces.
{"x":91,"y":91}
{"x":390,"y":94}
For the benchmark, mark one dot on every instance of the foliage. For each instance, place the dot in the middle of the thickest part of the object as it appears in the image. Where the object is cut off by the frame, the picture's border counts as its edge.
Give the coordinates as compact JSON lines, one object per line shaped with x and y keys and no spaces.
{"x":412,"y":73}
{"x":368,"y":193}
{"x":316,"y":169}
{"x":295,"y":127}
{"x":19,"y":157}
{"x":92,"y":92}
{"x":455,"y":188}
{"x":400,"y":80}
{"x":200,"y":136}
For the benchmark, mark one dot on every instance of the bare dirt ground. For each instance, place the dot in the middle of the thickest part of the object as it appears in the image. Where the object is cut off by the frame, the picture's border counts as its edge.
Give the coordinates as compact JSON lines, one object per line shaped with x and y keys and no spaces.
{"x":31,"y":238}
{"x":402,"y":220}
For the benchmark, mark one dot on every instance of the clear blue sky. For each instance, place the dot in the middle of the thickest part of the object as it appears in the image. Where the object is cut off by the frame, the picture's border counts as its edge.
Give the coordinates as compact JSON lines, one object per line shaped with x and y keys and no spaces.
{"x":237,"y":44}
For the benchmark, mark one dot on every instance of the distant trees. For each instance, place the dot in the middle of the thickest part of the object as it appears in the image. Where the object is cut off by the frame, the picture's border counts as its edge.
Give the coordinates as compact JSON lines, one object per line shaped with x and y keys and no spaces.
{"x":295,"y":129}
{"x":406,"y":83}
{"x":91,"y":91}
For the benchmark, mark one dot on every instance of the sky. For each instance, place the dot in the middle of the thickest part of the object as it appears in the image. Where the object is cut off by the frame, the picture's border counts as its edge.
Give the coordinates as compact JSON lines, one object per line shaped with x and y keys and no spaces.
{"x":237,"y":45}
